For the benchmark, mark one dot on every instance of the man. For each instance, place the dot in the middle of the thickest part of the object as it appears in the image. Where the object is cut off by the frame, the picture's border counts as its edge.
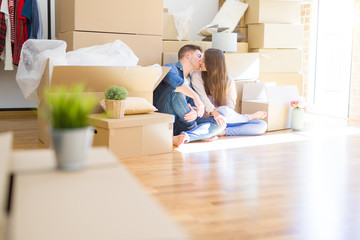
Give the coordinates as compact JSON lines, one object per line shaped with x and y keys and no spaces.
{"x":175,"y":96}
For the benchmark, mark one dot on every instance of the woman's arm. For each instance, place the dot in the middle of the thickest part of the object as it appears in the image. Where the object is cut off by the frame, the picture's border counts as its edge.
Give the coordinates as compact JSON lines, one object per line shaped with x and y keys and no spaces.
{"x":198,"y":85}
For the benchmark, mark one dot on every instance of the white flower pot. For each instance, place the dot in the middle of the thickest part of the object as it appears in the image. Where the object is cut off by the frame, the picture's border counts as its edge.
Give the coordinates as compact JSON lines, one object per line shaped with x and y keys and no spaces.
{"x":72,"y":147}
{"x":297,"y":119}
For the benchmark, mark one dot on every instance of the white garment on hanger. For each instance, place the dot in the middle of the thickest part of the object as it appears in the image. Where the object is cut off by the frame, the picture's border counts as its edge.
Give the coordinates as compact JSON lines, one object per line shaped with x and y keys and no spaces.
{"x":7,"y":53}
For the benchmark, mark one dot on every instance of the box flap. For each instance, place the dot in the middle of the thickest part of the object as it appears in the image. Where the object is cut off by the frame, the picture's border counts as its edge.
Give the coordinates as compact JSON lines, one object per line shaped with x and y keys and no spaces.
{"x":255,"y":91}
{"x":284,"y":94}
{"x":98,"y":78}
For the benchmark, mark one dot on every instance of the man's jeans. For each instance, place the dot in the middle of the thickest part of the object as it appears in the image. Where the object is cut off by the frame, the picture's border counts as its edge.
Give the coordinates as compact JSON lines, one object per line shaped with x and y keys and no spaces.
{"x":175,"y":103}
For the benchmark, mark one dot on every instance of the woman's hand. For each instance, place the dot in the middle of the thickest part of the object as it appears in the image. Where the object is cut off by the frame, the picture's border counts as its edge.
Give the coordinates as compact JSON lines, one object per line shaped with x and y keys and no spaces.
{"x":220,"y":120}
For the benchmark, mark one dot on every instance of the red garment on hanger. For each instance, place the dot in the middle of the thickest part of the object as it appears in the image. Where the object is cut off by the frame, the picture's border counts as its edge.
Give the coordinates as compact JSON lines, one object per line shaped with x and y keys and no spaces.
{"x":2,"y":30}
{"x":20,"y":31}
{"x":12,"y":19}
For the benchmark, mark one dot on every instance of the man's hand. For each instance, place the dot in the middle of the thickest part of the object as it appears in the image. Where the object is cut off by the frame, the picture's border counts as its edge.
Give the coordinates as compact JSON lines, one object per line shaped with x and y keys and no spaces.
{"x":192,"y":115}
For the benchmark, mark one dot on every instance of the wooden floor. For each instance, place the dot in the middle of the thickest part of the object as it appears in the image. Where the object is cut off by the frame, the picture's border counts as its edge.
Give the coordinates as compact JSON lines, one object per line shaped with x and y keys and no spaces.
{"x":282,"y":185}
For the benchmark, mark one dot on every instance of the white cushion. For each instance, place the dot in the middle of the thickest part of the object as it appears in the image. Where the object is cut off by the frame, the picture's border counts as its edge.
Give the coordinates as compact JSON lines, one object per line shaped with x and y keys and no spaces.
{"x":228,"y":16}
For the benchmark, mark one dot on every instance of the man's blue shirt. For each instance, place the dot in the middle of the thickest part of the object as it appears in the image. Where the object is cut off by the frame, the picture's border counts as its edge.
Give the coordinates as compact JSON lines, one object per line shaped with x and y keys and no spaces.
{"x":172,"y":80}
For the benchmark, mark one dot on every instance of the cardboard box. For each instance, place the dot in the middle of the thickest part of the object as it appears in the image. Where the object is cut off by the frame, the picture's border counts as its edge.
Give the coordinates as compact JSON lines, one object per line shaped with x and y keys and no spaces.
{"x":146,"y":48}
{"x":169,"y":28}
{"x":241,"y":66}
{"x":273,"y":35}
{"x":275,"y":101}
{"x":117,"y":16}
{"x":134,"y":135}
{"x":139,"y":81}
{"x":169,"y":57}
{"x":239,"y":84}
{"x":174,"y":46}
{"x":268,"y":11}
{"x":283,"y":79}
{"x":280,"y":60}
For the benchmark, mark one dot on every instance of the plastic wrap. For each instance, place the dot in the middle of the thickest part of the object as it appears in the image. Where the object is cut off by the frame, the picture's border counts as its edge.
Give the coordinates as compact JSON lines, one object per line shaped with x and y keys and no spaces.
{"x":33,"y":58}
{"x":182,"y":22}
{"x":110,"y":54}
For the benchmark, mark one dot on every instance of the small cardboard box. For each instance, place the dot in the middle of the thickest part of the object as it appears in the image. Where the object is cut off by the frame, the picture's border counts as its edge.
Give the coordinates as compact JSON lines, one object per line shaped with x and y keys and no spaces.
{"x":117,"y":16}
{"x":169,"y":28}
{"x":242,"y":66}
{"x":274,"y":35}
{"x":268,"y":11}
{"x":275,"y":100}
{"x":239,"y":84}
{"x":169,"y":57}
{"x":139,"y":82}
{"x":134,"y":135}
{"x":284,"y":79}
{"x":280,"y":60}
{"x":174,"y":46}
{"x":146,"y":48}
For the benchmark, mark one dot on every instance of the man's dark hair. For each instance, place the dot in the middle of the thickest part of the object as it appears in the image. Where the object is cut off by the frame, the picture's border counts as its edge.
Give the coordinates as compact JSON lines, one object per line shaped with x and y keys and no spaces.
{"x":187,"y":48}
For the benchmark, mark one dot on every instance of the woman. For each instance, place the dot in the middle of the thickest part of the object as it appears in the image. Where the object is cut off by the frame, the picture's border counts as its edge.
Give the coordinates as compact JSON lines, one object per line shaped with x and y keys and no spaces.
{"x":218,"y":93}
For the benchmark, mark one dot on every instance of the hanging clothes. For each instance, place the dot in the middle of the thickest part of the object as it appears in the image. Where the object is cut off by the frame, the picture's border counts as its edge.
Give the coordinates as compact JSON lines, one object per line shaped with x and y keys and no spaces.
{"x":12,"y":19}
{"x":36,"y":23}
{"x":7,"y":54}
{"x":20,"y":30}
{"x":2,"y":30}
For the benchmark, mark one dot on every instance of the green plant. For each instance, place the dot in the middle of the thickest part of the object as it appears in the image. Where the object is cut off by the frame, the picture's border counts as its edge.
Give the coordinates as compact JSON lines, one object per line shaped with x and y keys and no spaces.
{"x":116,"y":93}
{"x":69,"y":107}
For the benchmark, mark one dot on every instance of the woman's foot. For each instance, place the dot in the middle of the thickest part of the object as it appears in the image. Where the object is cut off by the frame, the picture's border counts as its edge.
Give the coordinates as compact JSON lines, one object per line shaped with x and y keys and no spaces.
{"x":258,"y":115}
{"x":179,"y":140}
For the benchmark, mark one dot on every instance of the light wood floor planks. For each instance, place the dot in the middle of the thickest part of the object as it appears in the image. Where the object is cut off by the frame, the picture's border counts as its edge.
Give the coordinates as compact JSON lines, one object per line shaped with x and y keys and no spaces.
{"x":282,"y":185}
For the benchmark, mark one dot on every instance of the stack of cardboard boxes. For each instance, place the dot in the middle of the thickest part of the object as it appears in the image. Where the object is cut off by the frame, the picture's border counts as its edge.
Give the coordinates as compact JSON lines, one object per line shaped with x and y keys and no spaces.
{"x":138,"y":23}
{"x":275,"y":33}
{"x":171,"y":45}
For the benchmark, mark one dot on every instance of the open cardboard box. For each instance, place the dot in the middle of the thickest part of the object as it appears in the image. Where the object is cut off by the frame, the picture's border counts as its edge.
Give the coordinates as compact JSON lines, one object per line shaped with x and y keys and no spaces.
{"x":275,"y":100}
{"x":139,"y":82}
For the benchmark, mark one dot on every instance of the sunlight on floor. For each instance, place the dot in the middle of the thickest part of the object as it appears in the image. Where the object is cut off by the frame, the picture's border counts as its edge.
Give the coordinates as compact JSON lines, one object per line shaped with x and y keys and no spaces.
{"x":316,"y":126}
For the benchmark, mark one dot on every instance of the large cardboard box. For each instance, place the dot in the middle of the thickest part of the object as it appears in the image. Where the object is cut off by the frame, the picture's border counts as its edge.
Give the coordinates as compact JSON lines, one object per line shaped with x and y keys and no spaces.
{"x":275,"y":100}
{"x":134,"y":135}
{"x":273,"y":35}
{"x":146,"y":48}
{"x":280,"y":60}
{"x":139,"y":81}
{"x":174,"y":46}
{"x":169,"y":28}
{"x":239,"y":84}
{"x":269,"y":11}
{"x":284,"y":79}
{"x":241,"y":66}
{"x":118,"y":16}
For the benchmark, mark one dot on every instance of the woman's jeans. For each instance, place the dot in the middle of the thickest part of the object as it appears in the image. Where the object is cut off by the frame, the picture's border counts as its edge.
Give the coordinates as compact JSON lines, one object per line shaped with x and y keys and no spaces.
{"x":239,"y":124}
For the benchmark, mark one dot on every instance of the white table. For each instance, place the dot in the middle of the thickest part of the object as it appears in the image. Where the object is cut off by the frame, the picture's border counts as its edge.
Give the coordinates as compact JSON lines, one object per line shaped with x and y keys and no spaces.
{"x":104,"y":201}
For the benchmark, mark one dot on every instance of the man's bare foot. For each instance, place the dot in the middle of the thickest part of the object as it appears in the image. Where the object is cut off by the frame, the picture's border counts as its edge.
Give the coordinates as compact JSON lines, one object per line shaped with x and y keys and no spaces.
{"x":214,"y":138}
{"x":179,"y":140}
{"x":258,"y":115}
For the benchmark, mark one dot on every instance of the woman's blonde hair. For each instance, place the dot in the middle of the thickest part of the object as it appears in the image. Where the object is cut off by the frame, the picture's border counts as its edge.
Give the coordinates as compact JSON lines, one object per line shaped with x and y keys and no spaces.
{"x":216,"y":80}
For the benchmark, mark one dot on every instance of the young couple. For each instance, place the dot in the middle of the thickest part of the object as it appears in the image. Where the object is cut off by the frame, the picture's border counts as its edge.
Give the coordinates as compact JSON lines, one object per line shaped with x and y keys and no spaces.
{"x":203,"y":106}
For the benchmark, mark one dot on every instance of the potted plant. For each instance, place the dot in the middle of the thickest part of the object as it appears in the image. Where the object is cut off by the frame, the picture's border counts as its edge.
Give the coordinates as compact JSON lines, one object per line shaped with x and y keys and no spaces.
{"x":71,"y":134}
{"x":115,"y":101}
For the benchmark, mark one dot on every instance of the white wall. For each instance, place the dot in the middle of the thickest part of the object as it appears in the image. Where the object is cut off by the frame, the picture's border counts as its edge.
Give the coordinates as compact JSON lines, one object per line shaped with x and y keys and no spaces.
{"x":204,"y":12}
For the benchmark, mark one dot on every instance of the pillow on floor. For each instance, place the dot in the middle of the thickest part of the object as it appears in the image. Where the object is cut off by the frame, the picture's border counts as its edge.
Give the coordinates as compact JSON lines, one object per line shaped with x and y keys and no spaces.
{"x":228,"y":16}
